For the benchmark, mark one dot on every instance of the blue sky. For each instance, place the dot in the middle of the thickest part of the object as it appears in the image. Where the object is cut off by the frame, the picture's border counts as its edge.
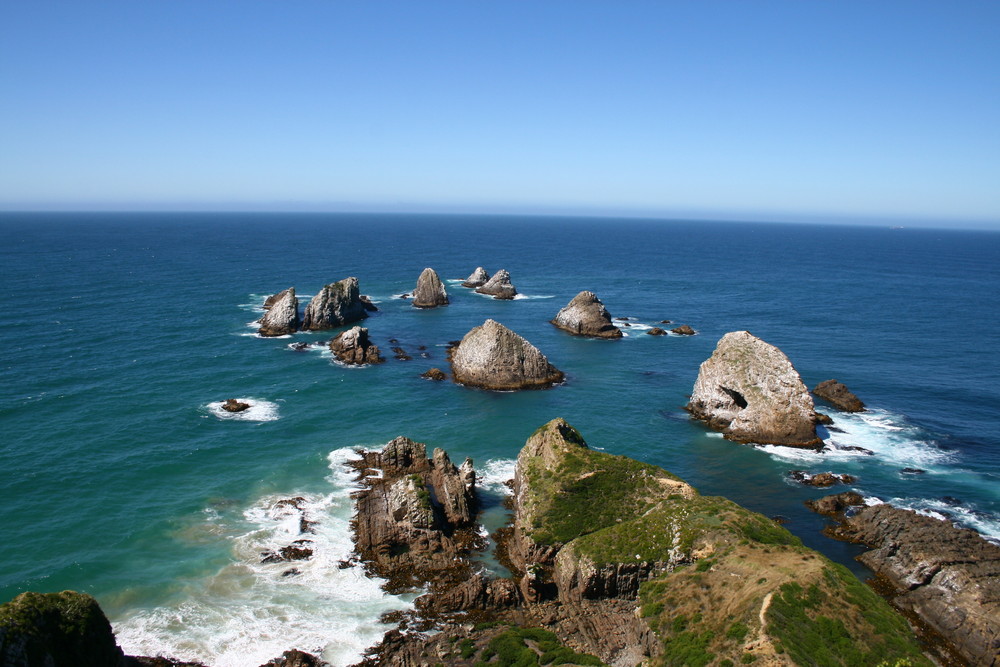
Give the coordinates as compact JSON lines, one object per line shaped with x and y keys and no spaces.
{"x":743,"y":109}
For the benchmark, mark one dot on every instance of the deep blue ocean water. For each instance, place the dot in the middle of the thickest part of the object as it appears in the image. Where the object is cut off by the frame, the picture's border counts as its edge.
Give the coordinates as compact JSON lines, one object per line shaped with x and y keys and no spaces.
{"x":119,"y":333}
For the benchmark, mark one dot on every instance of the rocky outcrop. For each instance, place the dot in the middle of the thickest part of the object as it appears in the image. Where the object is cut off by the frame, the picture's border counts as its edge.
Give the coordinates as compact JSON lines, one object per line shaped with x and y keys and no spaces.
{"x":585,"y":315}
{"x":499,"y":286}
{"x":839,"y":396}
{"x":478,"y":278}
{"x":435,"y":374}
{"x":232,"y":405}
{"x":749,"y":390}
{"x":296,"y":658}
{"x":949,"y":577}
{"x":354,"y":347}
{"x":430,"y":292}
{"x":335,"y":305}
{"x":282,"y":316}
{"x":491,"y":356}
{"x":836,"y":504}
{"x":656,"y":331}
{"x":820,"y":479}
{"x":683,"y":330}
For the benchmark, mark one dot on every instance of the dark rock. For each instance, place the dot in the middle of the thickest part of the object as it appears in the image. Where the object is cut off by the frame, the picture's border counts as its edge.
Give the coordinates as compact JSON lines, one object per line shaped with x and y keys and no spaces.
{"x":499,"y":286}
{"x":335,"y":305}
{"x":823,"y":419}
{"x":430,"y":291}
{"x":912,"y":471}
{"x":684,"y":330}
{"x":401,"y":354}
{"x":282,"y":316}
{"x":295,"y":658}
{"x":367,"y":303}
{"x":297,"y":550}
{"x":855,"y":448}
{"x":836,"y":504}
{"x":354,"y":347}
{"x":232,"y":405}
{"x":299,"y":347}
{"x":839,"y":396}
{"x":665,"y":322}
{"x":434,"y":374}
{"x":585,"y":315}
{"x":478,"y":278}
{"x":822,"y":479}
{"x":492,"y":356}
{"x":293,"y":572}
{"x":656,"y":331}
{"x":750,"y":391}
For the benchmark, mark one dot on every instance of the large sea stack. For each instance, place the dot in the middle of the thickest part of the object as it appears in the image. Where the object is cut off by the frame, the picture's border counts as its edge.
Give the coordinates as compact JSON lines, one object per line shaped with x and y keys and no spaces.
{"x":749,"y":390}
{"x":492,"y":356}
{"x":477,"y":279}
{"x":585,"y":315}
{"x":499,"y":286}
{"x":335,"y":305}
{"x":430,"y":292}
{"x":282,"y":316}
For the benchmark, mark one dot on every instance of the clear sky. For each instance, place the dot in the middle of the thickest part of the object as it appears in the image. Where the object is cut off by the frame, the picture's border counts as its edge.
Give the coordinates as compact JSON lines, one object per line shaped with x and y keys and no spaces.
{"x":810,"y":109}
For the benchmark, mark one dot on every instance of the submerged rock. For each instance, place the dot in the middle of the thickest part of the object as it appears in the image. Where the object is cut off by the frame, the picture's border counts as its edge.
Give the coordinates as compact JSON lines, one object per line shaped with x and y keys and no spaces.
{"x":749,"y":390}
{"x":585,"y":315}
{"x":434,"y":374}
{"x":839,"y":396}
{"x":354,"y":347}
{"x":232,"y":405}
{"x":499,"y":286}
{"x":282,"y":316}
{"x":477,"y":279}
{"x":430,"y":292}
{"x":335,"y":305}
{"x":491,"y":356}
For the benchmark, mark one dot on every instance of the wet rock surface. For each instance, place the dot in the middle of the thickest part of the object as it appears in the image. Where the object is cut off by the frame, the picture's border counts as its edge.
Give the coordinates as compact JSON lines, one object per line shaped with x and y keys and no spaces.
{"x":820,"y":479}
{"x":683,"y":330}
{"x":233,"y":405}
{"x":839,"y":396}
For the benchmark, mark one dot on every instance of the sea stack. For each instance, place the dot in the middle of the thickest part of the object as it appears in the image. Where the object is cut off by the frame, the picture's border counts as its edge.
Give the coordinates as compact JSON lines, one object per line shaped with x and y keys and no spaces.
{"x":585,"y":315}
{"x":749,"y":390}
{"x":477,"y":279}
{"x":430,"y":292}
{"x":282,"y":316}
{"x":491,"y":356}
{"x":839,"y":396}
{"x":335,"y":305}
{"x":354,"y":347}
{"x":499,"y":286}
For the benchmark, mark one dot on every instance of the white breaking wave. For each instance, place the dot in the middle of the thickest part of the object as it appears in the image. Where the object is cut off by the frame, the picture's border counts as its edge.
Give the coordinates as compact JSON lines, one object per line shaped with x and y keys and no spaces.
{"x":986,"y":524}
{"x":249,"y":611}
{"x":259,"y":410}
{"x":492,"y":475}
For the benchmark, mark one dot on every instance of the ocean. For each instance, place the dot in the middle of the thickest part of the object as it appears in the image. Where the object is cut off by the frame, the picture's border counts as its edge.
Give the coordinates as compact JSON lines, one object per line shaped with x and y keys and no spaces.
{"x":120,"y":335}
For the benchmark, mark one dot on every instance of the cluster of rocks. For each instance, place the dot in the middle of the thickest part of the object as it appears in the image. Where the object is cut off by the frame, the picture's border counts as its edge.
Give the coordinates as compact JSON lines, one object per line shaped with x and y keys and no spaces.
{"x":498,"y":286}
{"x":333,"y":306}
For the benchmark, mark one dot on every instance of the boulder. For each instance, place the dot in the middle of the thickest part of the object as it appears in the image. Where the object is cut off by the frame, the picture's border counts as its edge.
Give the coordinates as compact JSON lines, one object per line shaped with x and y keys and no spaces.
{"x":477,"y":279}
{"x":821,"y":479}
{"x":499,"y":286}
{"x":354,"y":347}
{"x":434,"y":374}
{"x":947,"y":576}
{"x":836,"y":504}
{"x":367,"y":303}
{"x":585,"y":315}
{"x":749,"y":390}
{"x":656,"y":331}
{"x":335,"y":305}
{"x":430,"y":292}
{"x":296,"y":658}
{"x":683,"y":330}
{"x":232,"y":405}
{"x":821,"y":418}
{"x":282,"y":316}
{"x":491,"y":356}
{"x":839,"y":396}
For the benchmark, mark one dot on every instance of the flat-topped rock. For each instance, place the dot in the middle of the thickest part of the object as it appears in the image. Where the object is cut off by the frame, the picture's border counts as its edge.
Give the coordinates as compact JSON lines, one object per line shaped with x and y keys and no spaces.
{"x":477,"y":279}
{"x":499,"y":286}
{"x":839,"y":396}
{"x":585,"y":315}
{"x":335,"y":305}
{"x":430,"y":291}
{"x":491,"y":356}
{"x":282,"y":316}
{"x":354,"y":347}
{"x":749,"y":390}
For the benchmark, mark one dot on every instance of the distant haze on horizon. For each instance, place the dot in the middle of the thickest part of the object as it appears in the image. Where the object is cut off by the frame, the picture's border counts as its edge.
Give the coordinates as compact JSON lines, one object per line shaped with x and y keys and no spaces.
{"x":882,"y":112}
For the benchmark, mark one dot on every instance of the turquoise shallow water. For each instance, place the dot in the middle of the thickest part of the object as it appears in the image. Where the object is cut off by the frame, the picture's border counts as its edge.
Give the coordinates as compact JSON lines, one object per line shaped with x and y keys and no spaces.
{"x":120,"y":331}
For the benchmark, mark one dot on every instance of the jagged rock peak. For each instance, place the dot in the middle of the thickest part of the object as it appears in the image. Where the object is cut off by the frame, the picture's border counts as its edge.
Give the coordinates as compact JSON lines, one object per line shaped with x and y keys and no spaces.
{"x":354,"y":347}
{"x":550,"y":442}
{"x":335,"y":305}
{"x":282,"y":316}
{"x":430,"y":292}
{"x":586,"y":315}
{"x":478,"y":278}
{"x":750,"y":391}
{"x":491,"y":356}
{"x":499,"y":286}
{"x":838,"y":395}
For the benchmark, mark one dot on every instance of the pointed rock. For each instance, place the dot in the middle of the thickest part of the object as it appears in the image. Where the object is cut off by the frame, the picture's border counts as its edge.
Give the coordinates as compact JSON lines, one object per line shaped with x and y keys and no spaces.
{"x":750,"y":391}
{"x":354,"y":347}
{"x":335,"y":305}
{"x":839,"y":396}
{"x":282,"y":316}
{"x":477,"y":279}
{"x":492,"y":356}
{"x":586,"y":315}
{"x":430,"y":292}
{"x":499,"y":286}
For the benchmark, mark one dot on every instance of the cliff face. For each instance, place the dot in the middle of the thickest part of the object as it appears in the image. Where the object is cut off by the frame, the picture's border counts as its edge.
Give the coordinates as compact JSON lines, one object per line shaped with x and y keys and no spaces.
{"x":750,"y":391}
{"x":430,"y":291}
{"x":585,"y":315}
{"x":335,"y":305}
{"x":282,"y":316}
{"x":492,"y":356}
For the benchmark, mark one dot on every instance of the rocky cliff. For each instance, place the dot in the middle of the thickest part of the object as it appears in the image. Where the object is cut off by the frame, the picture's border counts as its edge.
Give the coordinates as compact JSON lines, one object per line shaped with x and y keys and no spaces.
{"x":750,"y":391}
{"x":335,"y":305}
{"x":478,"y":278}
{"x":491,"y":356}
{"x":282,"y":316}
{"x":430,"y":291}
{"x":499,"y":286}
{"x":947,"y":576}
{"x":585,"y":315}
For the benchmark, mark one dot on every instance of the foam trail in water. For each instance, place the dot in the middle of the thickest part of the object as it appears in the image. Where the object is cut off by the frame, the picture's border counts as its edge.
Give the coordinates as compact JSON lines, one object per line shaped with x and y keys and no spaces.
{"x":259,"y":410}
{"x":954,"y":510}
{"x":492,"y":475}
{"x":249,"y":612}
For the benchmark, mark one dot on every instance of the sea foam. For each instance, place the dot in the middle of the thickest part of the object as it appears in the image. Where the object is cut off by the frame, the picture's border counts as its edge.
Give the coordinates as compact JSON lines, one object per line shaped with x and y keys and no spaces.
{"x":259,"y":410}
